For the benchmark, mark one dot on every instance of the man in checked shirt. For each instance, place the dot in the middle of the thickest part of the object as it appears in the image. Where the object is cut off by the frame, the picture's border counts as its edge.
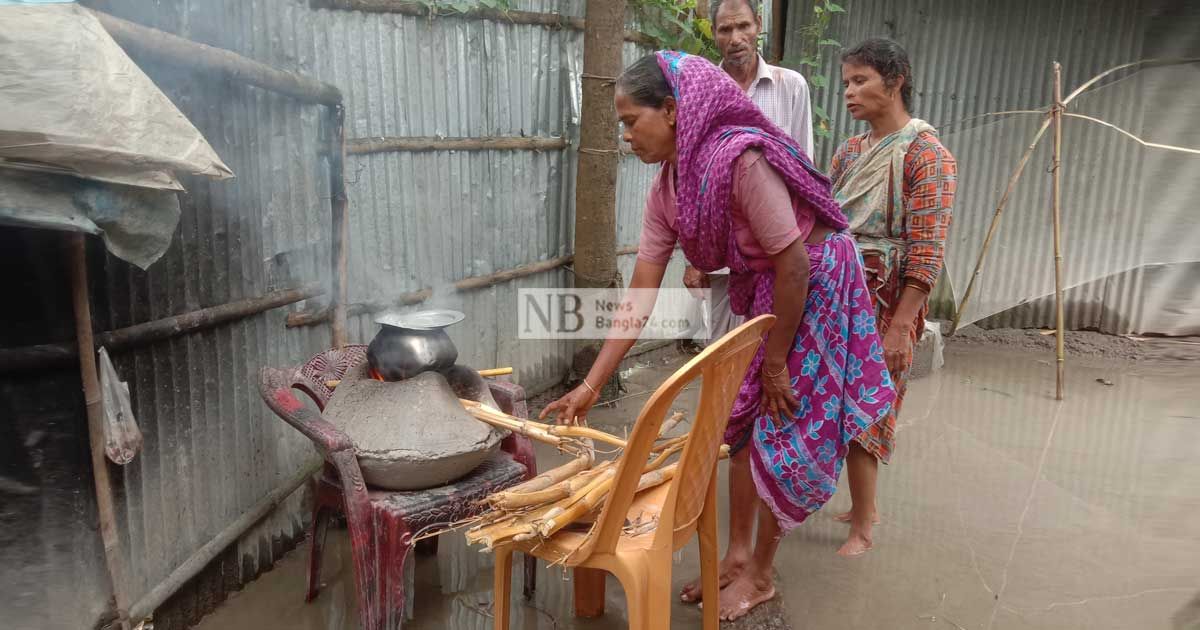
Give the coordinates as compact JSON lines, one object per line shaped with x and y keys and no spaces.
{"x":780,"y":93}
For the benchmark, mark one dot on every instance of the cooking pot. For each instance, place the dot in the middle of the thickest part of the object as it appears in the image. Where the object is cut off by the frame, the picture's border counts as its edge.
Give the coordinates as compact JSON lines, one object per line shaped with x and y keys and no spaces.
{"x":410,"y":343}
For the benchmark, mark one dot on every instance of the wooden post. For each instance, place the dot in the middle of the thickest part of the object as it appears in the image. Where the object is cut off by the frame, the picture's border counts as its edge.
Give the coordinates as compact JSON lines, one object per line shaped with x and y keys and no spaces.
{"x":94,"y":405}
{"x":778,"y":29}
{"x":1058,"y":258}
{"x":596,"y":196}
{"x":596,"y":178}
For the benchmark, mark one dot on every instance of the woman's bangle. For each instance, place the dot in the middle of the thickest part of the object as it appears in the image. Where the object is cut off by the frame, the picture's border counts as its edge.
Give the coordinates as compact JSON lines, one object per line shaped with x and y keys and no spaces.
{"x":589,"y":386}
{"x":769,"y":375}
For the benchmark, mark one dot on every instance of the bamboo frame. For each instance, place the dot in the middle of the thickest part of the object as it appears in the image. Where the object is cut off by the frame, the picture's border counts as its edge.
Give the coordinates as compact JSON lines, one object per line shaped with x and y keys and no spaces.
{"x":1053,"y":115}
{"x":1056,"y":199}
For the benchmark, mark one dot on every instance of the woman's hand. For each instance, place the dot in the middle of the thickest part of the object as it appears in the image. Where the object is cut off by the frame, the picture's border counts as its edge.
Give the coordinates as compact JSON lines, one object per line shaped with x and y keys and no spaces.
{"x":572,"y":408}
{"x":777,"y":393}
{"x":695,"y":280}
{"x":897,"y":347}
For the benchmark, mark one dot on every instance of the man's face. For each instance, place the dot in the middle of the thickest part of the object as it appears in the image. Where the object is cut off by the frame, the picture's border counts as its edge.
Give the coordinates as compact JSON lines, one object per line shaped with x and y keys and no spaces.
{"x":736,"y":30}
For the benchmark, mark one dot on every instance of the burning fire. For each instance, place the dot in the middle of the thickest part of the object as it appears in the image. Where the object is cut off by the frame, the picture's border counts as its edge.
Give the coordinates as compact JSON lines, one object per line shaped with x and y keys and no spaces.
{"x":375,"y":375}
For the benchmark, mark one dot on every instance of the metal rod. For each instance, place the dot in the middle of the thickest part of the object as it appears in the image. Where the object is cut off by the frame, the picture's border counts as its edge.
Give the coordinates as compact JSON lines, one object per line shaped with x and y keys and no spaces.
{"x":59,"y":354}
{"x":362,"y":146}
{"x":179,"y":51}
{"x":987,"y":241}
{"x":1060,"y":327}
{"x":214,"y":547}
{"x":77,"y":259}
{"x":422,"y":9}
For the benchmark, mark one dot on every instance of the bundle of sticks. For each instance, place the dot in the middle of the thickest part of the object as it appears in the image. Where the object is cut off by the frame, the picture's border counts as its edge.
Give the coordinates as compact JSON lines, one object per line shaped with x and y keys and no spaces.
{"x":571,"y":493}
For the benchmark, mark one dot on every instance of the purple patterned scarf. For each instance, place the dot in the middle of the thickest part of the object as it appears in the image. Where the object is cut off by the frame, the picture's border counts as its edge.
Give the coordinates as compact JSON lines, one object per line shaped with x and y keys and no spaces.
{"x":715,"y":123}
{"x":836,"y":362}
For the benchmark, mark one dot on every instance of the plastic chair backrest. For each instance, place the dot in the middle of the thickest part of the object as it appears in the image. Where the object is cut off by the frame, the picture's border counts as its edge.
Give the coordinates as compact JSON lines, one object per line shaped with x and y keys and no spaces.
{"x":723,"y":367}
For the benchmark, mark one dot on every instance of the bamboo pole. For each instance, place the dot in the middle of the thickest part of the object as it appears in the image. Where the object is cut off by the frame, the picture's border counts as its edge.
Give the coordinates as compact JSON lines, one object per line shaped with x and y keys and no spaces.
{"x":412,"y":298}
{"x":1060,"y":327}
{"x":987,"y":241}
{"x":77,"y":260}
{"x":341,"y":225}
{"x":365,"y":146}
{"x":175,"y":50}
{"x":509,"y":16}
{"x":61,"y":354}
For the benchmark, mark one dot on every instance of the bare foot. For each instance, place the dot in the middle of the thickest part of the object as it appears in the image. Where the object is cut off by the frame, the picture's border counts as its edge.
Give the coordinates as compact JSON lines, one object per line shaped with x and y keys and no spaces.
{"x":856,"y":545}
{"x":730,"y":569}
{"x":745,"y":592}
{"x":844,"y":517}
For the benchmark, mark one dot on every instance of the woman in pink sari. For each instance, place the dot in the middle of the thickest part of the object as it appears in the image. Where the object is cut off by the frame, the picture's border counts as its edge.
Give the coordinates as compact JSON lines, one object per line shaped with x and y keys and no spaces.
{"x":735,"y":191}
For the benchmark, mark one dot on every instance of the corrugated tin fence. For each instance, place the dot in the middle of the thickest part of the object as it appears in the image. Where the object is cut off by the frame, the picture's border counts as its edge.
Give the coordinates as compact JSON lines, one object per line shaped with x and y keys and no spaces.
{"x":417,"y":220}
{"x":970,"y":58}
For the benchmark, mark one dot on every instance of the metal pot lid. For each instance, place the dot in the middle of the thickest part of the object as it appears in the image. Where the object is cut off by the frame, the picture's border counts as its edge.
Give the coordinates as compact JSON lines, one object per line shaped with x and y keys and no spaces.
{"x":432,"y":319}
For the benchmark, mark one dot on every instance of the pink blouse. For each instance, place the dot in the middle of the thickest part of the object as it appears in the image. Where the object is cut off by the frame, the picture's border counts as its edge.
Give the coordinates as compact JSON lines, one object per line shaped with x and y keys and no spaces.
{"x":764,"y":214}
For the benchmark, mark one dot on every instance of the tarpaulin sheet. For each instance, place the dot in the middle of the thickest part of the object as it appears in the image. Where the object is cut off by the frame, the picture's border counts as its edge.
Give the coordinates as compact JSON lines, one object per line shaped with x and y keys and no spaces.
{"x":75,"y":103}
{"x":136,"y":223}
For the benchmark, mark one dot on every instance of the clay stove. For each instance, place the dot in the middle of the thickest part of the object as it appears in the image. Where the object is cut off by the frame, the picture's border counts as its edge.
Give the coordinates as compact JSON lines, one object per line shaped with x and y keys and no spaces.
{"x":402,"y":408}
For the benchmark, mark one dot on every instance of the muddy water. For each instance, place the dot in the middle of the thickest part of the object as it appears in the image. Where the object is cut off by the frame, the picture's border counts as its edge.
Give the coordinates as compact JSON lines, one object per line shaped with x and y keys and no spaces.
{"x":1002,"y":509}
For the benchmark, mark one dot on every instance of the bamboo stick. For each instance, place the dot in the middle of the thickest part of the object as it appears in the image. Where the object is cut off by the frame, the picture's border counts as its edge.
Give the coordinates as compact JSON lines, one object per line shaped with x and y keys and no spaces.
{"x":169,"y":48}
{"x":340,"y":222}
{"x":137,"y":335}
{"x":561,"y":490}
{"x":495,"y":417}
{"x":563,"y":430}
{"x":496,"y":372}
{"x":553,"y":476}
{"x":365,"y":146}
{"x":76,"y":250}
{"x":503,"y":16}
{"x":1060,"y":327}
{"x":987,"y":241}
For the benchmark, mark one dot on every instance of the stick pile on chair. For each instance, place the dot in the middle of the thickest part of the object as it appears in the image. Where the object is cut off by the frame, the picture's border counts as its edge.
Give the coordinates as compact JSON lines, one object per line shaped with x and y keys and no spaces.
{"x":568,"y":494}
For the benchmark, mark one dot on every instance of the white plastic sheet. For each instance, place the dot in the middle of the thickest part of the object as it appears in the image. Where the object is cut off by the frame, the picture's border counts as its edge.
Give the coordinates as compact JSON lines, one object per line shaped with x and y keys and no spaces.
{"x":75,"y":103}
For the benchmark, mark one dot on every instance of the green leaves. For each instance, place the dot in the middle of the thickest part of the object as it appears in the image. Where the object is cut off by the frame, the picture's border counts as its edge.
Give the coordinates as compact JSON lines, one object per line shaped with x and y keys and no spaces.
{"x":673,"y":24}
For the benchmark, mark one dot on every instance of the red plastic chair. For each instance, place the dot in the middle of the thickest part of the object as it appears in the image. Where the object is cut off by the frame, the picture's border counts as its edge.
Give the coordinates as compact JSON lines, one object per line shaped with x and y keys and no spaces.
{"x":382,"y":523}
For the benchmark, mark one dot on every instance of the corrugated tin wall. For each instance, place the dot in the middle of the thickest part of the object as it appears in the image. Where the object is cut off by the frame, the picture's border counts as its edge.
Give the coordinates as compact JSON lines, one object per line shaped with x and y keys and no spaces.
{"x":417,"y":220}
{"x":212,"y":449}
{"x":988,"y":56}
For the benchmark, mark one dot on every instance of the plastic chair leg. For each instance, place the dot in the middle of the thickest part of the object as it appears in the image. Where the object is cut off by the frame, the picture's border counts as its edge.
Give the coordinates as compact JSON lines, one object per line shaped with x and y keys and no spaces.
{"x":316,"y":548}
{"x":502,"y":588}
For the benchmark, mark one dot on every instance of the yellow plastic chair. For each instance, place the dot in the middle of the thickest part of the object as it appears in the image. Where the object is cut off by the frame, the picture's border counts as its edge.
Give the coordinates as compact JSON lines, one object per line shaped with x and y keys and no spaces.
{"x":683,"y":506}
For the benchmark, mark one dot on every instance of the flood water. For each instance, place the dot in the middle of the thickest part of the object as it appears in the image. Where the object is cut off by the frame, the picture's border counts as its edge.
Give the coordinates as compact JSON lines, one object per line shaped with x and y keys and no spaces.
{"x":1002,"y":509}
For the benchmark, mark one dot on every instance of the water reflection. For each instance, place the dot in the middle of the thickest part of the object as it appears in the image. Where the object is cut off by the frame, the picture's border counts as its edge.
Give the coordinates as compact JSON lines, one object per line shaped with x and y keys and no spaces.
{"x":1002,"y":509}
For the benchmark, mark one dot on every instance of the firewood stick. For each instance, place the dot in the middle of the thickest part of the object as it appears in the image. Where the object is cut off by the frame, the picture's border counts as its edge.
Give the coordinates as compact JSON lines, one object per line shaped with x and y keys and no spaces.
{"x":670,"y":423}
{"x":510,"y":500}
{"x":585,"y":432}
{"x":553,"y":476}
{"x":592,"y":499}
{"x":495,"y":417}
